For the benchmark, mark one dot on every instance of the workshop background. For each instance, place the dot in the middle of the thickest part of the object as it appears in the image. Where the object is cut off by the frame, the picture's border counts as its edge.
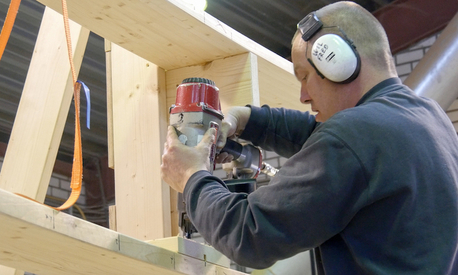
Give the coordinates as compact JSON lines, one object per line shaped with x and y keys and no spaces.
{"x":269,"y":23}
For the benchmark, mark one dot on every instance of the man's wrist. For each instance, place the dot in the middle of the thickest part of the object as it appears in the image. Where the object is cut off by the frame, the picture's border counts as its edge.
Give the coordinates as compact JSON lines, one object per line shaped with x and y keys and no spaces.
{"x":192,"y":178}
{"x":242,"y":120}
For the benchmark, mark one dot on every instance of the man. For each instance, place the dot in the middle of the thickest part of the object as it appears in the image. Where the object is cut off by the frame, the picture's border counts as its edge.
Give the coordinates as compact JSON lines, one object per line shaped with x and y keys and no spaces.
{"x":370,"y":180}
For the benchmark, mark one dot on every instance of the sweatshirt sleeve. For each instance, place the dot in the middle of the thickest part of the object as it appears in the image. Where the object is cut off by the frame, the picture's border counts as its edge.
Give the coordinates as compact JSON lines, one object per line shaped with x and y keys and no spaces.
{"x":310,"y":200}
{"x":276,"y":129}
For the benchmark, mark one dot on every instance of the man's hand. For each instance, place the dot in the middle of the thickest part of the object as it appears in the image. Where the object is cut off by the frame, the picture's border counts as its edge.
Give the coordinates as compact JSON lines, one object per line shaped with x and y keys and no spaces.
{"x":180,"y":162}
{"x":234,"y":123}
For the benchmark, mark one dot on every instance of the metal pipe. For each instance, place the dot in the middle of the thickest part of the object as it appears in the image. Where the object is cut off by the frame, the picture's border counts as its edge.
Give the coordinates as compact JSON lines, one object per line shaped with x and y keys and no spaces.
{"x":436,"y":76}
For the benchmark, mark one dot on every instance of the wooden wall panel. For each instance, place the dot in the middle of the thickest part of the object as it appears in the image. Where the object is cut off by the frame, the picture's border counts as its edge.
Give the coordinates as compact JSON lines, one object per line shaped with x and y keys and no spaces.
{"x":139,"y":127}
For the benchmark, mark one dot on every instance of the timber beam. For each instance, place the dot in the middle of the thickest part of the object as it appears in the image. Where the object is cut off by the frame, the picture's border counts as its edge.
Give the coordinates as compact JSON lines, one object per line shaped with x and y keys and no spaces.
{"x":174,"y":37}
{"x":42,"y":240}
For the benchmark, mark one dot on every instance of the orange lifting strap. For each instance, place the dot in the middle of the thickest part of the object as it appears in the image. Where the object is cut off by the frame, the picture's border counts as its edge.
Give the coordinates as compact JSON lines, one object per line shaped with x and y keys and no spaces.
{"x":77,"y":169}
{"x":8,"y":25}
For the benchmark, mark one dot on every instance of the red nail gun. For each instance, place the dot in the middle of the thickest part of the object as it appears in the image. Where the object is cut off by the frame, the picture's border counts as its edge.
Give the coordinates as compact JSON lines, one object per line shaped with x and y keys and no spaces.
{"x":197,"y":108}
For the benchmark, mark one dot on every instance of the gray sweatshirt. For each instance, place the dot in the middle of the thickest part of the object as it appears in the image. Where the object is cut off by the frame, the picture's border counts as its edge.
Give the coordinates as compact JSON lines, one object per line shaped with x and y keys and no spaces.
{"x":374,"y":188}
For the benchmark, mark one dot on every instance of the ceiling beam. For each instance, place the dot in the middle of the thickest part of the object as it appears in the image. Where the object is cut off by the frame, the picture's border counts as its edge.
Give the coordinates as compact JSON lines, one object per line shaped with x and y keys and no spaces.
{"x":165,"y":32}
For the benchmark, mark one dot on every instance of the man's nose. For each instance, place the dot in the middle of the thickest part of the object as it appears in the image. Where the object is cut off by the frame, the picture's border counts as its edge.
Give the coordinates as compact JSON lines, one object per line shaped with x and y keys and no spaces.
{"x":305,"y":97}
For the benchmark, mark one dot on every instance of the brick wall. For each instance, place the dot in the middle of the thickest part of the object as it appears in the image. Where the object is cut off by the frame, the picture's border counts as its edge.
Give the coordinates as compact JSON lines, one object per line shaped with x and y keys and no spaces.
{"x":408,"y":59}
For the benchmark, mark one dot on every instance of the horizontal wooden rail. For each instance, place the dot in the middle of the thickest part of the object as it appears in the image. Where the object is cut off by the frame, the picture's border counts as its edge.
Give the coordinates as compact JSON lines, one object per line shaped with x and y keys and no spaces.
{"x":41,"y":240}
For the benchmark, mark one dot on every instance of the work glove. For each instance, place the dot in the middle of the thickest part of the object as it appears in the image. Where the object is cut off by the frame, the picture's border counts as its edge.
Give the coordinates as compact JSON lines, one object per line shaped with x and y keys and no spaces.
{"x":232,"y":126}
{"x":180,"y":162}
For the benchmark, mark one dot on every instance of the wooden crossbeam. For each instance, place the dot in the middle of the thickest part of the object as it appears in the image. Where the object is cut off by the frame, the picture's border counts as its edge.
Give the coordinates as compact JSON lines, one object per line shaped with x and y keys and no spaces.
{"x":41,"y":240}
{"x":172,"y":36}
{"x":242,"y":79}
{"x":165,"y":32}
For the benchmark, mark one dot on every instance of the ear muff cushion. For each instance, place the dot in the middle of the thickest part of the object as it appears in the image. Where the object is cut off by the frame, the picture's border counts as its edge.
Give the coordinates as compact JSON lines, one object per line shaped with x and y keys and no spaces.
{"x":335,"y":58}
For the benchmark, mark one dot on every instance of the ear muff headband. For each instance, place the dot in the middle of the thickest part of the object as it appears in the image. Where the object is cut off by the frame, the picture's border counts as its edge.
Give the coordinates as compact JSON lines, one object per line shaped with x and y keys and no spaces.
{"x":333,"y":57}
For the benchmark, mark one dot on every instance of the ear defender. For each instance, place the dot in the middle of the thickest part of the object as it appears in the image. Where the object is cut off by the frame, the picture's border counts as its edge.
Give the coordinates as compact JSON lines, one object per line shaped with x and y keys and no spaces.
{"x":335,"y":58}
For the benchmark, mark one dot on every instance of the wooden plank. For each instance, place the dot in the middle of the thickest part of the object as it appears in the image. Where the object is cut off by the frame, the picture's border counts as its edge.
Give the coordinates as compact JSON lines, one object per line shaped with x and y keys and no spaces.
{"x":41,"y":240}
{"x":173,"y":36}
{"x":5,"y":270}
{"x":174,"y":213}
{"x":112,"y":217}
{"x":279,"y":88}
{"x":43,"y":109}
{"x":232,"y":75}
{"x":242,"y":79}
{"x":139,"y":127}
{"x":109,"y":77}
{"x":165,"y":32}
{"x":193,"y":249}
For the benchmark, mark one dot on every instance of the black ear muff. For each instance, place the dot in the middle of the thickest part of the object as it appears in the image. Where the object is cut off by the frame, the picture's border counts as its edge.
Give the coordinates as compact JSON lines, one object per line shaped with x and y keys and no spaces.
{"x":335,"y":58}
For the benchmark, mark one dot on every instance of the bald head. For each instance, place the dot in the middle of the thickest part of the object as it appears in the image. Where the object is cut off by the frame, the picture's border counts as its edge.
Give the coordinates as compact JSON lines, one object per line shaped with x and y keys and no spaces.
{"x":319,"y":85}
{"x":362,"y":28}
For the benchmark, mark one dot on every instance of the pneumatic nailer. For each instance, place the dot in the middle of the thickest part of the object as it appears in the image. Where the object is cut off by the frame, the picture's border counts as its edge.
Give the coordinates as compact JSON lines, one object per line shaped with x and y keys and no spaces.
{"x":197,"y":108}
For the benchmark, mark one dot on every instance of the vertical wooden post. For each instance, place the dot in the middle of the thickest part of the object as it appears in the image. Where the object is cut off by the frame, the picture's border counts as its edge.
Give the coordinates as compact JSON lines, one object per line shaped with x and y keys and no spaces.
{"x":42,"y":111}
{"x":112,"y":217}
{"x":139,"y":127}
{"x":109,"y":104}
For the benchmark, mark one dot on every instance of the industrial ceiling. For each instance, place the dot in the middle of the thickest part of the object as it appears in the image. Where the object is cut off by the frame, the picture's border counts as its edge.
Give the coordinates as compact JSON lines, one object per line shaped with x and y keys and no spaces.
{"x":268,"y":22}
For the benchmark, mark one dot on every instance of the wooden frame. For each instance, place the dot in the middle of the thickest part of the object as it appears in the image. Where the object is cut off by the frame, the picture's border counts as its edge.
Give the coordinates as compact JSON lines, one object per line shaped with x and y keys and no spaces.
{"x":156,"y":44}
{"x":42,"y":240}
{"x":172,"y":36}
